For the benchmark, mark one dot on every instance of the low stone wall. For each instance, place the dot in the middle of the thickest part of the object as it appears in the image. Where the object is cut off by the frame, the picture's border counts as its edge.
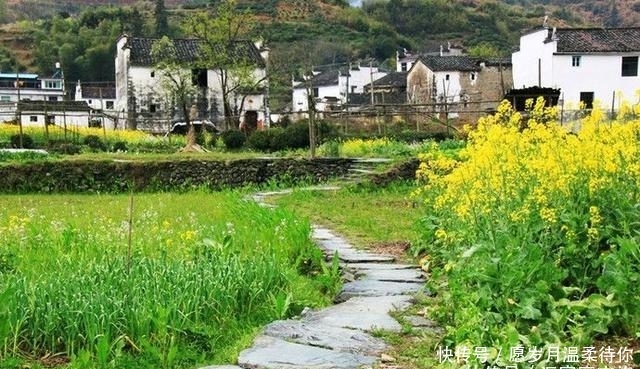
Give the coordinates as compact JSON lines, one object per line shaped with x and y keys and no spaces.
{"x":121,"y":176}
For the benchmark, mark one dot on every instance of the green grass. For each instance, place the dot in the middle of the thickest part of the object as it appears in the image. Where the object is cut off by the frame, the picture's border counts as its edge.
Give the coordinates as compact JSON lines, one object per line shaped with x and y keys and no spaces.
{"x":362,"y":214}
{"x":202,"y":273}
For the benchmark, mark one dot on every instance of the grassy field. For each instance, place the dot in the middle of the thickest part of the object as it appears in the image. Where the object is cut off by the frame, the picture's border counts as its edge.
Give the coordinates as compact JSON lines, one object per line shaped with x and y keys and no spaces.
{"x":368,"y":217}
{"x":173,"y":281}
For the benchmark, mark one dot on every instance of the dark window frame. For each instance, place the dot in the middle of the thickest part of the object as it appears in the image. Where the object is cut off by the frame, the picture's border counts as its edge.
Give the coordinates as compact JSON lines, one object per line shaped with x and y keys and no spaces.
{"x":576,"y":60}
{"x":629,"y":66}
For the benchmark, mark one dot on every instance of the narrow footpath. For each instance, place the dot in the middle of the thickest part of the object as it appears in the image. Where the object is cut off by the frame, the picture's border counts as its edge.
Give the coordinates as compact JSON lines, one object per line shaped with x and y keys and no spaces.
{"x":339,"y":336}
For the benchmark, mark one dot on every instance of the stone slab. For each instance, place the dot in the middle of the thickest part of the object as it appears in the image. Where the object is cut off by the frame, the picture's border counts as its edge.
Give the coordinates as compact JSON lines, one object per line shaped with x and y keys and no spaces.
{"x":334,"y":244}
{"x":371,"y":287}
{"x":322,"y":233}
{"x":325,"y":336}
{"x":391,"y":275}
{"x":365,"y":313}
{"x":353,"y":256}
{"x":374,"y":266}
{"x":271,"y":352}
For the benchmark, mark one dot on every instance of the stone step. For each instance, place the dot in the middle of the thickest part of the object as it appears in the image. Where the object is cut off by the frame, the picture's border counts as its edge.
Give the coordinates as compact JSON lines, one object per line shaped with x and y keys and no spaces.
{"x":271,"y":352}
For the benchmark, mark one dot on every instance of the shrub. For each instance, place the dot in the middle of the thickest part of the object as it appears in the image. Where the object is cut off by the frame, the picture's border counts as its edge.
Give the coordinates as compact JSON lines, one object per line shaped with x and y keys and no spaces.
{"x":233,"y":139}
{"x":297,"y":136}
{"x":94,"y":143}
{"x":27,"y":141}
{"x":261,"y":140}
{"x":119,"y":146}
{"x":65,"y":148}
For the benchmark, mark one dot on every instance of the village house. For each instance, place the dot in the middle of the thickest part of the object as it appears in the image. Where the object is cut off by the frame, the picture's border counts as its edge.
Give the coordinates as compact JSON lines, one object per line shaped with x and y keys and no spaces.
{"x":139,"y":96}
{"x":332,"y":90}
{"x":101,"y":98}
{"x":16,"y":87}
{"x":458,"y":86}
{"x":586,"y":64}
{"x":63,"y":114}
{"x":405,"y":58}
{"x":390,"y":89}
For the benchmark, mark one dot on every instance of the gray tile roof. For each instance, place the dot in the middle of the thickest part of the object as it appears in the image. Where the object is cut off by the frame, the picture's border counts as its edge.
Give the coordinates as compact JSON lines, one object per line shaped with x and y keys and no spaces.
{"x":188,"y":50}
{"x":460,"y":63}
{"x":328,"y":78}
{"x":106,"y":91}
{"x":52,"y":106}
{"x":585,"y":40}
{"x":393,"y":79}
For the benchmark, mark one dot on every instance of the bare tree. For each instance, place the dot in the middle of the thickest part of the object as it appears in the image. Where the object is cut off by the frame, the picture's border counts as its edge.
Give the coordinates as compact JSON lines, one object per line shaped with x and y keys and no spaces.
{"x":223,"y":47}
{"x":176,"y":82}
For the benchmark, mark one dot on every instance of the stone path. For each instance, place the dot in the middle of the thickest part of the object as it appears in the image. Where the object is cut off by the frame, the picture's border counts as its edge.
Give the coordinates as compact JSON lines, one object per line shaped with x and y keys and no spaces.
{"x":339,"y":336}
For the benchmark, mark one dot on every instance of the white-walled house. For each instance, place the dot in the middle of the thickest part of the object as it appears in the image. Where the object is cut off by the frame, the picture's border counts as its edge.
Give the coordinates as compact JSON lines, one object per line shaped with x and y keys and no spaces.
{"x":405,"y":59}
{"x":64,"y":114}
{"x":139,"y":95}
{"x":101,"y":98}
{"x":28,"y":86}
{"x":458,"y":84}
{"x":330,"y":89}
{"x":586,"y":64}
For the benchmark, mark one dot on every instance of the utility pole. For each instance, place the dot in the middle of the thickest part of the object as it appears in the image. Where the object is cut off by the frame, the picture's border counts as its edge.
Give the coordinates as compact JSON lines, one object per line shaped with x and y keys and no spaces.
{"x":347,"y":100}
{"x":18,"y":112}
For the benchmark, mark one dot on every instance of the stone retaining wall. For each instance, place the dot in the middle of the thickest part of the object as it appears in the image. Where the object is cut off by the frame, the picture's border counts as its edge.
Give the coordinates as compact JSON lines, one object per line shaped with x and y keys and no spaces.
{"x":121,"y":176}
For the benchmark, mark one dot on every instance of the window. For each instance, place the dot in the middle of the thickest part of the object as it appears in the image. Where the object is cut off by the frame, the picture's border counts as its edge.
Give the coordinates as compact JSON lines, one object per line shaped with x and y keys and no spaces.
{"x":473,"y":76}
{"x":110,"y":105}
{"x":50,"y":120}
{"x":53,"y":98}
{"x":575,"y":61}
{"x":446,"y":77}
{"x":152,"y":108}
{"x":33,"y":118}
{"x":153,"y":74}
{"x":315,"y":92}
{"x":53,"y":84}
{"x":587,"y":99}
{"x":5,"y":98}
{"x":629,"y":66}
{"x":89,"y":102}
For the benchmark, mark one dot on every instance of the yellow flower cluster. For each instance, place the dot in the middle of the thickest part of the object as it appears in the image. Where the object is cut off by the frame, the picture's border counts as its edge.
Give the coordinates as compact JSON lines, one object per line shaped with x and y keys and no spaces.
{"x":360,"y":147}
{"x":514,"y":168}
{"x":131,"y":136}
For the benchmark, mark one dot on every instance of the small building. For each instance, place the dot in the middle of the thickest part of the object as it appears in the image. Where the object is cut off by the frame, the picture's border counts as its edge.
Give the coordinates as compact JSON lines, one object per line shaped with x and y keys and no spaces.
{"x":331,"y":90}
{"x":405,"y":58}
{"x":101,"y":98}
{"x":390,"y":89}
{"x":586,"y":64}
{"x":16,"y":87}
{"x":458,"y":86}
{"x":63,"y":114}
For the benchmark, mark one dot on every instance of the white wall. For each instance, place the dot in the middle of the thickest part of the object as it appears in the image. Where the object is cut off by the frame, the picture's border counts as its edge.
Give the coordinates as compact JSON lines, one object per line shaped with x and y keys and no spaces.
{"x":600,"y":74}
{"x":70,"y":119}
{"x":533,"y":62}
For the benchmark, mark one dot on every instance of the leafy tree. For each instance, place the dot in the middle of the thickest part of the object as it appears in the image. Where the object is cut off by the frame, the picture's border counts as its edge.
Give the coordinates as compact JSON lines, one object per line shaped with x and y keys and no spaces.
{"x":484,"y":49}
{"x":162,"y":22}
{"x":176,"y":83}
{"x":220,"y":51}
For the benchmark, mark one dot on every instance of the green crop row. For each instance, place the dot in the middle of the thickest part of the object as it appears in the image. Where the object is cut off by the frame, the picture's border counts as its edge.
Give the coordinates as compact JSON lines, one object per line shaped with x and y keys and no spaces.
{"x":185,"y":280}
